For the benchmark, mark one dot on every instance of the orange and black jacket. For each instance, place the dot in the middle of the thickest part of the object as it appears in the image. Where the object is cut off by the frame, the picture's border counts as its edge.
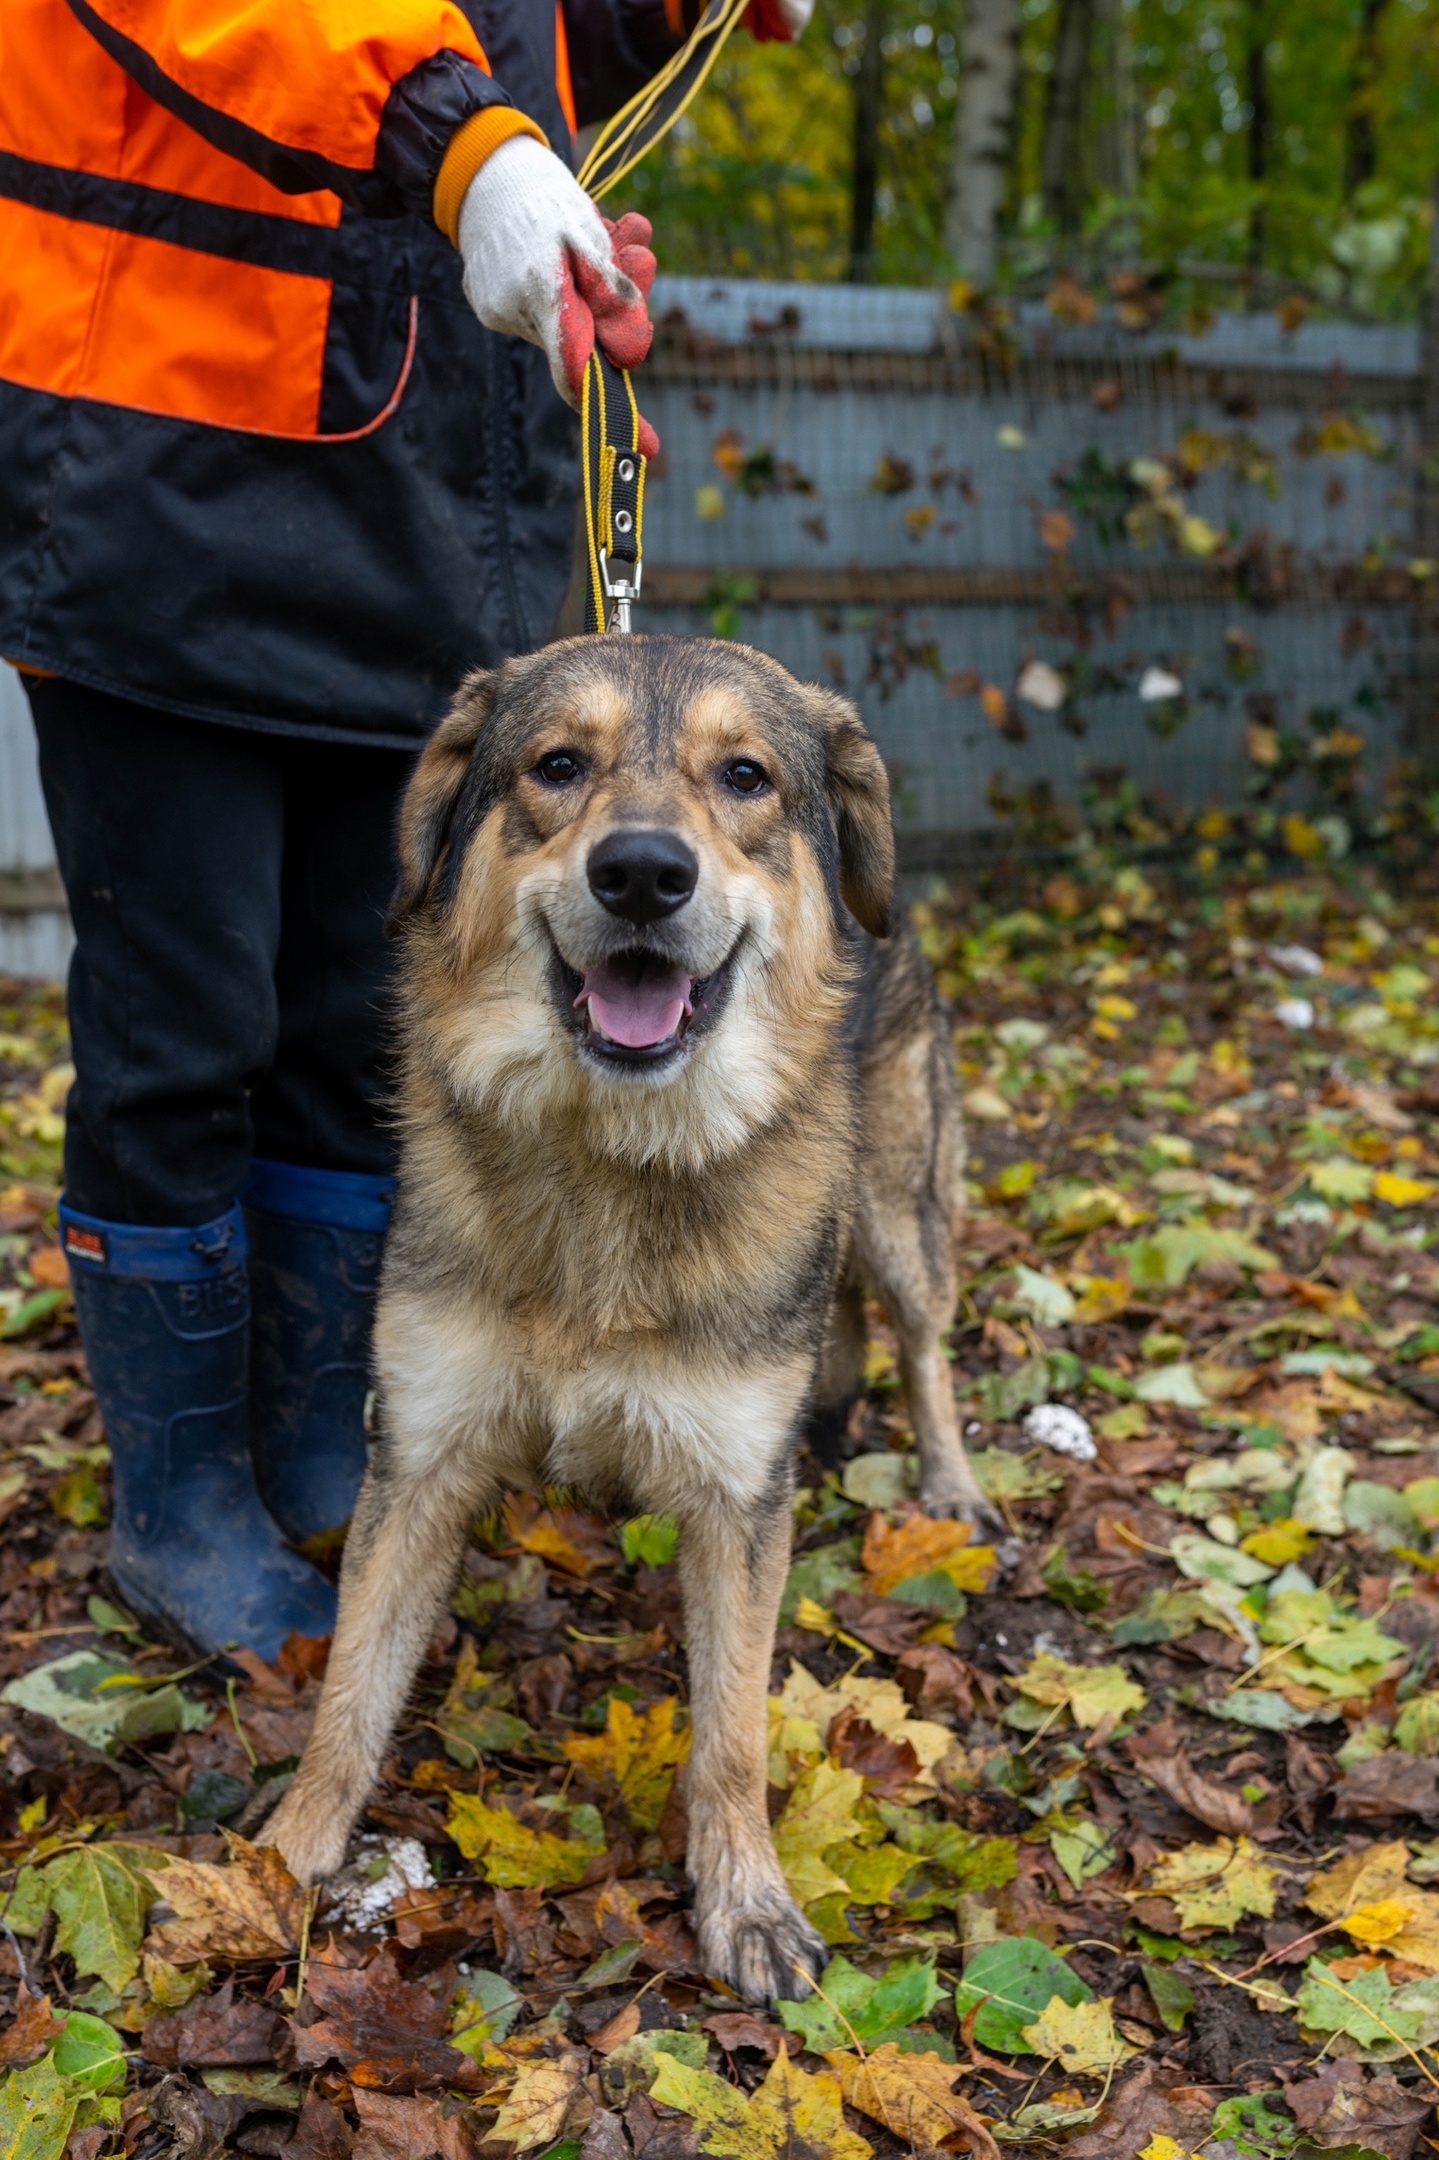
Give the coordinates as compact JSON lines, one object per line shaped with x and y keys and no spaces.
{"x":258,"y":461}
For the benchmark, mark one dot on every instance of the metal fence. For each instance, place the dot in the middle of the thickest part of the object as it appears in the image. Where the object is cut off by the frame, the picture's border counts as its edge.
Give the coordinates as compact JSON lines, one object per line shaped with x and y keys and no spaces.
{"x":1034,"y":551}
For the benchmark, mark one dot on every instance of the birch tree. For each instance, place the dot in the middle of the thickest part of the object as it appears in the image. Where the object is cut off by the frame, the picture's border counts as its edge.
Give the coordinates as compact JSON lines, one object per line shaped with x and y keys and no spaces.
{"x":984,"y":126}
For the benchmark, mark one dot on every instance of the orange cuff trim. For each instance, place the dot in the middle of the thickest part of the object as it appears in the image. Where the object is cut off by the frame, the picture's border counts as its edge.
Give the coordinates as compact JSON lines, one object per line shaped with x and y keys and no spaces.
{"x":472,"y":144}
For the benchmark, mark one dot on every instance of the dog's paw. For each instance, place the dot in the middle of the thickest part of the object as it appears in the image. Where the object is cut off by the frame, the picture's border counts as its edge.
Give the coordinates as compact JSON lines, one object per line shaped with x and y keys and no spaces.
{"x":765,"y":1950}
{"x":312,"y":1846}
{"x":963,"y":1503}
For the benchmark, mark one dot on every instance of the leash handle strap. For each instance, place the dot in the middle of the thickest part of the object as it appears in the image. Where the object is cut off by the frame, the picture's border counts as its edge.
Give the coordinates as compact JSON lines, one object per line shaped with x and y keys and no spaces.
{"x":614,"y":489}
{"x":653,"y":111}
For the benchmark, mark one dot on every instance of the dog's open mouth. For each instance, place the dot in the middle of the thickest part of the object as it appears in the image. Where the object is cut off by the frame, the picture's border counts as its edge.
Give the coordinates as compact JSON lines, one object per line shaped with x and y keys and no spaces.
{"x":639,"y":1007}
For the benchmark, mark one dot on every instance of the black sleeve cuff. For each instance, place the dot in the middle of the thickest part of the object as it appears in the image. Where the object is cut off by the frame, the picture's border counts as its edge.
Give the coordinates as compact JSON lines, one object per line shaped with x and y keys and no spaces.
{"x":421,"y":115}
{"x":615,"y":47}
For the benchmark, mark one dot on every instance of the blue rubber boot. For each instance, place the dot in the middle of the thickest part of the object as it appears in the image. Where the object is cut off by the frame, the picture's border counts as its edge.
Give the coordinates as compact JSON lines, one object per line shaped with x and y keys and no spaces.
{"x":315,"y":1242}
{"x":165,"y":1319}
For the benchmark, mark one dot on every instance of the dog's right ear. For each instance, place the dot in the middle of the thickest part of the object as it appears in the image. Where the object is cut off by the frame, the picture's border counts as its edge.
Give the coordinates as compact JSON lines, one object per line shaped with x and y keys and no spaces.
{"x":428,"y":810}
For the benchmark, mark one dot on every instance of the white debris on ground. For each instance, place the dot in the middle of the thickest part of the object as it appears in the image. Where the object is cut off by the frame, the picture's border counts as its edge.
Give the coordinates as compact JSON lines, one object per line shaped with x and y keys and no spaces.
{"x":1157,"y":685}
{"x":383,"y":1869}
{"x":1054,"y":1425}
{"x":1294,"y":960}
{"x":1295,"y":1012}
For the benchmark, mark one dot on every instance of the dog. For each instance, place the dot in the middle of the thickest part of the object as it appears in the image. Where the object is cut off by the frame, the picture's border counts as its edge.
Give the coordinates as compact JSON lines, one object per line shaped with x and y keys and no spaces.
{"x":671,"y":1096}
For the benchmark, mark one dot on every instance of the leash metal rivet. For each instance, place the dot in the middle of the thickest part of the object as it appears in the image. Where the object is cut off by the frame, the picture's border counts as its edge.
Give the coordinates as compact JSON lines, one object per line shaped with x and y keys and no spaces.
{"x":627,"y":472}
{"x":623,"y":521}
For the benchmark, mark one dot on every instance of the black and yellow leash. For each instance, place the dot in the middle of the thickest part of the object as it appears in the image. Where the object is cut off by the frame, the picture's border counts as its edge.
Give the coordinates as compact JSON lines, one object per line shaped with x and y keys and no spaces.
{"x":614,"y":470}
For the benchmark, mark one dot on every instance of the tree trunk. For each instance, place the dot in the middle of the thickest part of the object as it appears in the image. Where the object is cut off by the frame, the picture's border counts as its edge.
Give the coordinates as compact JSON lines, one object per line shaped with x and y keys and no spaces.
{"x":1117,"y":149}
{"x":868,"y":111}
{"x":1259,"y":124}
{"x":1062,"y":175}
{"x":1361,"y":156}
{"x":984,"y":131}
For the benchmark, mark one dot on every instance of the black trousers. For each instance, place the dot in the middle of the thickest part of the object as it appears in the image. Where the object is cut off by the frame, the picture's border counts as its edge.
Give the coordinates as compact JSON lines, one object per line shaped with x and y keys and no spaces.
{"x":230,"y":984}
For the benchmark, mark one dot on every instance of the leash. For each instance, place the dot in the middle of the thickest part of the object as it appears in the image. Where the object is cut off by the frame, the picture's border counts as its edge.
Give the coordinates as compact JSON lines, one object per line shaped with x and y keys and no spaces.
{"x":614,"y":486}
{"x":614,"y":470}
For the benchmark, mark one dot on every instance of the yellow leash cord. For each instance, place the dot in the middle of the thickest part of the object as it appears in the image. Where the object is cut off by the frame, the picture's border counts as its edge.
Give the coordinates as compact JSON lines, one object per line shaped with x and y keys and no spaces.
{"x":614,"y":471}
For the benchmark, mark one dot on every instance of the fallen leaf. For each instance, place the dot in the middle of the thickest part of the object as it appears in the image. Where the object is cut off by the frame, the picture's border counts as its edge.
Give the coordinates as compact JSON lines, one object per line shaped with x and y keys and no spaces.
{"x":33,"y":2029}
{"x":511,"y":1854}
{"x":1079,"y":2037}
{"x":538,"y":2103}
{"x":398,"y":2129}
{"x":638,"y":1753}
{"x":214,"y":2030}
{"x":36,"y":2111}
{"x":570,"y":1539}
{"x":1009,"y":1983}
{"x":919,"y":1545}
{"x":790,"y":2113}
{"x":388,"y":2032}
{"x":1090,"y":1693}
{"x":252,"y":1908}
{"x":912,"y":2096}
{"x":819,"y":1813}
{"x":1214,"y":1886}
{"x":850,"y":2005}
{"x":1218,"y":1807}
{"x":1388,"y":1784}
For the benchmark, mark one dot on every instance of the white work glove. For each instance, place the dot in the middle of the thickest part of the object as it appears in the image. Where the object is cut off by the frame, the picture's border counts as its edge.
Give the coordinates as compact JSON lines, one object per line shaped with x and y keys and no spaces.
{"x":542,"y":264}
{"x":780,"y":20}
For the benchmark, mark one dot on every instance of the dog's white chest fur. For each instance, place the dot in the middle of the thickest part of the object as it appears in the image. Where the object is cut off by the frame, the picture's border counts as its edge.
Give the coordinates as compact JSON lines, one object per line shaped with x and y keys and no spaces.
{"x":635,"y":1419}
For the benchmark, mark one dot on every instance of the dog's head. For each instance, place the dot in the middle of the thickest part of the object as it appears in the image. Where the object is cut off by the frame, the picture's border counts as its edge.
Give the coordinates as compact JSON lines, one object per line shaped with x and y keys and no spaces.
{"x":631,"y":871}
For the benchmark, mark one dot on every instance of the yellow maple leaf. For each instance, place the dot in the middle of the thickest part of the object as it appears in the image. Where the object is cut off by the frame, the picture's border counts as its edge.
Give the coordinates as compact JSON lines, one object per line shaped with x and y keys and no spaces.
{"x":1161,"y":2147}
{"x":792,"y":2112}
{"x":1279,"y":1542}
{"x":1089,"y":1692}
{"x":1395,"y":1190}
{"x":512,"y":1855}
{"x":1213,"y":1886}
{"x":909,"y":2094}
{"x":1363,"y":1878}
{"x":1080,"y":2037}
{"x":1374,"y":1924}
{"x":639,"y":1751}
{"x":1105,"y":1297}
{"x":818,"y":1813}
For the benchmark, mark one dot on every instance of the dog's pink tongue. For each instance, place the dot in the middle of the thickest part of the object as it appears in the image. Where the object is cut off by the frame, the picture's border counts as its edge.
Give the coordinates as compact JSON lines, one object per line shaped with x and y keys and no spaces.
{"x":635,"y":1000}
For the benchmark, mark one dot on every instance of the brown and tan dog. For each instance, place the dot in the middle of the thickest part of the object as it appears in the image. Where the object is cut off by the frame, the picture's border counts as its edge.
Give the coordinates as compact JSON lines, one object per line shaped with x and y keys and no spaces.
{"x":671,"y":1099}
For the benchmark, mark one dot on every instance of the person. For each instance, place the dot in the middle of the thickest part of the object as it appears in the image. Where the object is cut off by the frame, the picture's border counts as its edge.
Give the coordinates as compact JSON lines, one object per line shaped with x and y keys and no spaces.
{"x":295,"y":301}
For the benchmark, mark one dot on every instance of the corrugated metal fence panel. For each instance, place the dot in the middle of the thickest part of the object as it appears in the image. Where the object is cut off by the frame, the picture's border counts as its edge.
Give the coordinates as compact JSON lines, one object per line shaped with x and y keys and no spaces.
{"x":34,"y":939}
{"x":892,"y":543}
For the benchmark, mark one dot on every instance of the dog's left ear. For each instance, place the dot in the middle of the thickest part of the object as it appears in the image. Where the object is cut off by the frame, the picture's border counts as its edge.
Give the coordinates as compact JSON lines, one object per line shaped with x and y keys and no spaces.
{"x":864,"y":823}
{"x":428,"y":809}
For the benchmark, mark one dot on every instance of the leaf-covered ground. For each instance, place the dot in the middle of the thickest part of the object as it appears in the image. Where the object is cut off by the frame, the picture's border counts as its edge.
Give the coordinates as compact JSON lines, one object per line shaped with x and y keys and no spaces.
{"x":1125,"y":1836}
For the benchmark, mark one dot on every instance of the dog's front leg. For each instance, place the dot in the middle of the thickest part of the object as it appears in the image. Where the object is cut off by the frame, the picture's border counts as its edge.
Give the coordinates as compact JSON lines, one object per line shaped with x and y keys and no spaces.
{"x":732,"y":1568}
{"x":404,"y":1548}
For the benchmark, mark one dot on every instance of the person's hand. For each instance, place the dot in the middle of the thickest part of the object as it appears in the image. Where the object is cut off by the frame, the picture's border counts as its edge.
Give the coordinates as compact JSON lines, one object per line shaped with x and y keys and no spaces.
{"x":542,"y":264}
{"x":779,"y":20}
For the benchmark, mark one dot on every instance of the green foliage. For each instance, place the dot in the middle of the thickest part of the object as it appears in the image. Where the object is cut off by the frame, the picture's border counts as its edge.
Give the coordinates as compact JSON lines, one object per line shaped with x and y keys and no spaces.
{"x":854,"y":2006}
{"x":650,"y":1540}
{"x":1011,"y":1983}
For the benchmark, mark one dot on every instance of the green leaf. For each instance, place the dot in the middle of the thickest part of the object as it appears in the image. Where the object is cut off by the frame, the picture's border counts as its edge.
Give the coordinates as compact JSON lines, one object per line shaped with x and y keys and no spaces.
{"x":90,"y":2052}
{"x":484,"y":2011}
{"x":36,"y":2113}
{"x":1014,"y":1981}
{"x":30,"y":1312}
{"x":650,"y":1540}
{"x":1362,"y":2007}
{"x":469,"y":1734}
{"x":1169,"y":1995}
{"x":102,"y":1700}
{"x":1006,"y":1476}
{"x":876,"y":2009}
{"x":100,"y":1896}
{"x":825,"y":1571}
{"x":1082,"y":1850}
{"x":1166,"y":1260}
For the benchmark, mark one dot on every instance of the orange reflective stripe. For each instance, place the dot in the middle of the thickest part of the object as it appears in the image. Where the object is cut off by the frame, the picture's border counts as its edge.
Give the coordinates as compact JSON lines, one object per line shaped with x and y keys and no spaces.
{"x":90,"y":312}
{"x":312,"y":75}
{"x":564,"y":82}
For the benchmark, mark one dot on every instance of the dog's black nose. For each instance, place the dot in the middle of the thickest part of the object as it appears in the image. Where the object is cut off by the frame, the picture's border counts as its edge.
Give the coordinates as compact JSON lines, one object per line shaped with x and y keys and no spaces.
{"x":642,"y":875}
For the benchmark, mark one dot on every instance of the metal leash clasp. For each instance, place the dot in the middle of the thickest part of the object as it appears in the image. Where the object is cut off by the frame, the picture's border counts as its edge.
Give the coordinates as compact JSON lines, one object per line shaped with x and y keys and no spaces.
{"x":624,"y":591}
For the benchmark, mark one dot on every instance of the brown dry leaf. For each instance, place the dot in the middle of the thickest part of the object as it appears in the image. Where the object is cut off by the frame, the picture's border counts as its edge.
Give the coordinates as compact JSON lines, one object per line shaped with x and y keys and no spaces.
{"x":621,"y":2027}
{"x":49,"y":1268}
{"x":387,"y":2031}
{"x":888,"y":1766}
{"x":1220,"y":1807}
{"x":1151,"y":2101}
{"x":1342,"y":2107}
{"x":214,"y":2031}
{"x":1068,"y":302}
{"x":1056,"y":531}
{"x":34,"y":2029}
{"x":1388,"y":1784}
{"x":539,"y":2101}
{"x":567,"y":1537}
{"x":252,"y":1908}
{"x":911,"y":2096}
{"x":394,"y":2129}
{"x":740,"y":2029}
{"x":321,"y":2132}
